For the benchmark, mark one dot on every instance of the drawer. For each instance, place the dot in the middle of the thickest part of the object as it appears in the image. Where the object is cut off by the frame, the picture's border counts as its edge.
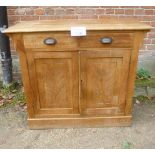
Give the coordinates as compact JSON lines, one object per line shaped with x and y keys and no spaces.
{"x":109,"y":40}
{"x":37,"y":41}
{"x":65,"y":42}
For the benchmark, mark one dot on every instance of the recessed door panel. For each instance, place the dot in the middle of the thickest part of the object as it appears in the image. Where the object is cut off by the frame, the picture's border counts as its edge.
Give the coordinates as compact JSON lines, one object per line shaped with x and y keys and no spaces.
{"x":103,"y":81}
{"x":54,"y":77}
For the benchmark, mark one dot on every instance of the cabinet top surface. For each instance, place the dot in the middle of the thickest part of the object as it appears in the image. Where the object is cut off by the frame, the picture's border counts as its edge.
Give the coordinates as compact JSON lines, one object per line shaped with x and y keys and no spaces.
{"x":65,"y":25}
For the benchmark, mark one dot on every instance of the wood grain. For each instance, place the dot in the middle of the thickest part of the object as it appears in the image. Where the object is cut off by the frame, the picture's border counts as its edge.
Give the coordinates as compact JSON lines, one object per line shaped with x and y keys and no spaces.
{"x":19,"y":46}
{"x":45,"y":123}
{"x":54,"y":80}
{"x":119,"y":39}
{"x":64,"y":41}
{"x":132,"y":71}
{"x":65,"y":25}
{"x":104,"y":80}
{"x":78,"y":82}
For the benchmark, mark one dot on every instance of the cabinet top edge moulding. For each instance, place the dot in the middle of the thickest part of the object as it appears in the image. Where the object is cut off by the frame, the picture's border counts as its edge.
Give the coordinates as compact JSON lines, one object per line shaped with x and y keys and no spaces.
{"x":66,"y":24}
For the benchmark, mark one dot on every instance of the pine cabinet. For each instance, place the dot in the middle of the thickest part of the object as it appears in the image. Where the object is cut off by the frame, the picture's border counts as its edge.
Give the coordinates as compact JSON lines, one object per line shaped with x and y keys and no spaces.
{"x":78,"y":81}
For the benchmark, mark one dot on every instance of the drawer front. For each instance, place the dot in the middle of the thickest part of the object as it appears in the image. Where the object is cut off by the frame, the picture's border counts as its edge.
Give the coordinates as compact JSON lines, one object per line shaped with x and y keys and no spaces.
{"x":63,"y":40}
{"x":44,"y":41}
{"x":106,"y":40}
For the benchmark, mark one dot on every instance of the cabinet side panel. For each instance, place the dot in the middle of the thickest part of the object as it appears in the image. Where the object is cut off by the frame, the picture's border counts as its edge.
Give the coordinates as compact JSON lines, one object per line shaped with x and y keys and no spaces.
{"x":138,"y":38}
{"x":18,"y":42}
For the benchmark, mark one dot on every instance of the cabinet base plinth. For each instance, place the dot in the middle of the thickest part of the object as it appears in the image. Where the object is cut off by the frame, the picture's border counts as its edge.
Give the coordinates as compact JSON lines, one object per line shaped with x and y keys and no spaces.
{"x":44,"y":123}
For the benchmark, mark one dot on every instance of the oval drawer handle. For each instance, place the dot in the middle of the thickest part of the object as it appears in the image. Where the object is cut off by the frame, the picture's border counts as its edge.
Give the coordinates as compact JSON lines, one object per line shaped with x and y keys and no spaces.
{"x":50,"y":41}
{"x":106,"y":40}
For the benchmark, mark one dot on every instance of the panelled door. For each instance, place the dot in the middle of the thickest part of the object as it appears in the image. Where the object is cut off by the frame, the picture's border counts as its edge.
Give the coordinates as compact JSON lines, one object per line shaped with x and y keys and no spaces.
{"x":104,"y":75}
{"x":56,"y":88}
{"x":55,"y":82}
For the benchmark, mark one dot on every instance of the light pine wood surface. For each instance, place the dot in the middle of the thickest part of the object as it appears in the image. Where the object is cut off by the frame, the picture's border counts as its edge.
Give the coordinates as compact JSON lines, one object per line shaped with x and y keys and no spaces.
{"x":65,"y":25}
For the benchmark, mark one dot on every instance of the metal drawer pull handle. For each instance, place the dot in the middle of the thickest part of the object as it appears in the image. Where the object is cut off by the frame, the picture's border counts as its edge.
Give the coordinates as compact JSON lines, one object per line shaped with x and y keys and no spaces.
{"x":106,"y":40}
{"x":50,"y":41}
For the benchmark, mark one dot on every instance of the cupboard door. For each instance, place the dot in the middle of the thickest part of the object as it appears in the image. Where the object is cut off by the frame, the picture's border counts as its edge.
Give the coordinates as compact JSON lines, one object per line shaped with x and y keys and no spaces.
{"x":55,"y":83}
{"x":104,"y":77}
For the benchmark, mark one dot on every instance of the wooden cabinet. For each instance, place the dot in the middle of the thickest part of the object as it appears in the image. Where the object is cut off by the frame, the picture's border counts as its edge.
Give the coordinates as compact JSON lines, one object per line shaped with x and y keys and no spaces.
{"x":78,"y":81}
